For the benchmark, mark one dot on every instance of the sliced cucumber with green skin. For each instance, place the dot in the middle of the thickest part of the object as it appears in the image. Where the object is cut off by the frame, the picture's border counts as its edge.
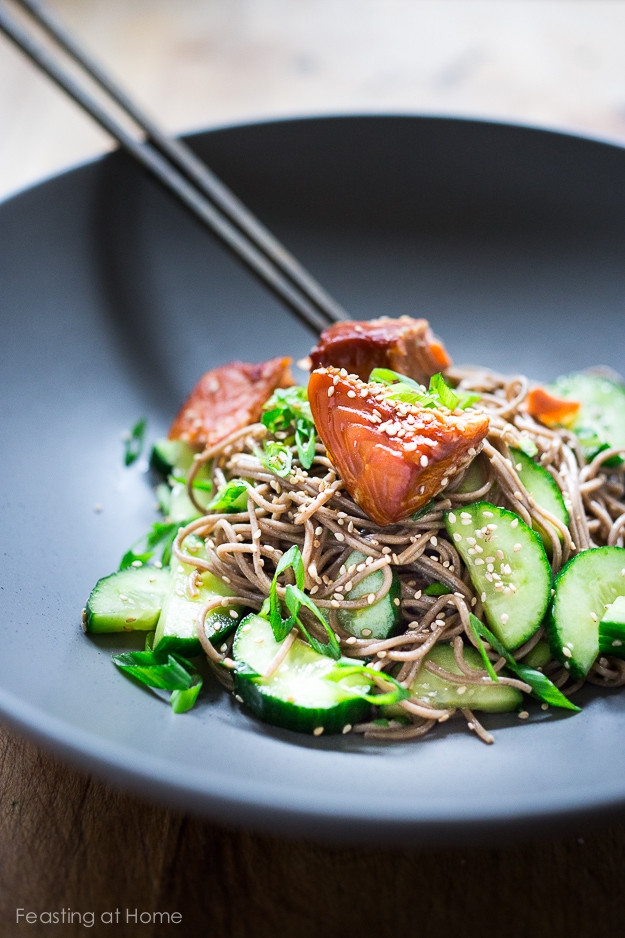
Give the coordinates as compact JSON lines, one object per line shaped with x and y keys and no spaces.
{"x":168,"y":455}
{"x":475,"y":477}
{"x":381,"y":619}
{"x":543,"y":488}
{"x":602,"y":411}
{"x":181,"y":508}
{"x":499,"y":548}
{"x":127,"y":601}
{"x":584,"y":588}
{"x":435,"y":690}
{"x":612,"y":629}
{"x":174,"y":458}
{"x":297,"y":696}
{"x":176,"y":630}
{"x":538,"y":657}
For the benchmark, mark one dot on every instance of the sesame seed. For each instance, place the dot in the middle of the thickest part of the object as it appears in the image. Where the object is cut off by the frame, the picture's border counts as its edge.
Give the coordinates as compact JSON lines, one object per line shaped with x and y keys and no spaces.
{"x":246,"y":628}
{"x":523,"y":715}
{"x":334,"y":603}
{"x":472,"y":451}
{"x":514,"y":523}
{"x":473,"y":601}
{"x":424,"y":461}
{"x":318,"y":730}
{"x":371,"y":598}
{"x":544,"y":706}
{"x":505,"y":618}
{"x":351,"y":641}
{"x":410,"y":447}
{"x":318,"y":531}
{"x":259,"y":640}
{"x":593,"y":616}
{"x":381,"y":654}
{"x":397,"y":601}
{"x":346,"y":729}
{"x":478,"y":561}
{"x":339,"y":536}
{"x":567,"y":652}
{"x":462,"y":689}
{"x":224,"y":647}
{"x":136,"y":563}
{"x":483,"y":597}
{"x":433,"y":541}
{"x":457,"y":537}
{"x":351,"y":394}
{"x":517,"y":548}
{"x":331,"y":390}
{"x":131,"y":619}
{"x":617,"y":643}
{"x":238,"y":697}
{"x":488,"y":514}
{"x":367,"y":633}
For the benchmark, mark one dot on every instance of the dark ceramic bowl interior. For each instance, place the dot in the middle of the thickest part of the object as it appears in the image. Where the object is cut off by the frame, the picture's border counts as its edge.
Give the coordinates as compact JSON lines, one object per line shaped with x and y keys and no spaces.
{"x":113,"y":301}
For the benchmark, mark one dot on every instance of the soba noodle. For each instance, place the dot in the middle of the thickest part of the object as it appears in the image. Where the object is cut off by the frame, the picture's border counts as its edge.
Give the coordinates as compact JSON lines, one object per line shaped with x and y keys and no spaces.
{"x":312,"y":509}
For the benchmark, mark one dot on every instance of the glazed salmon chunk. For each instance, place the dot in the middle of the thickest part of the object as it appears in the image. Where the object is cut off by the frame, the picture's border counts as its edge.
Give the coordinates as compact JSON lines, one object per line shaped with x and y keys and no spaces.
{"x":405,"y":345}
{"x":227,"y":399}
{"x":392,"y":456}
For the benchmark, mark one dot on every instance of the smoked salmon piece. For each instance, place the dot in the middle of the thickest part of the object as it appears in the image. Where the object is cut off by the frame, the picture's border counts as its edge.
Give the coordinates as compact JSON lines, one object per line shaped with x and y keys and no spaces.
{"x":405,"y":345}
{"x":228,"y":398}
{"x":551,"y":410}
{"x":392,"y":456}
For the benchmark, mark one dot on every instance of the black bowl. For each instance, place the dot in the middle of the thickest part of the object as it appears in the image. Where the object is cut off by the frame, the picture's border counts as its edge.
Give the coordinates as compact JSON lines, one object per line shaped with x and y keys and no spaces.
{"x":113,"y":301}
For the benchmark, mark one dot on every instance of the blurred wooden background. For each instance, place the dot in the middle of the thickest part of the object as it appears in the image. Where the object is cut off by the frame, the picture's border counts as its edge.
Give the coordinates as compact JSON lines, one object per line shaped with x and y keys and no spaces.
{"x":68,"y":841}
{"x":197,"y":63}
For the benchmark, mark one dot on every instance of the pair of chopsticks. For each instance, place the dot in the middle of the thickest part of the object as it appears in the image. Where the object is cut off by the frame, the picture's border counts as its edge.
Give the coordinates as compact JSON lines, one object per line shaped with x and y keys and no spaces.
{"x":172,"y":162}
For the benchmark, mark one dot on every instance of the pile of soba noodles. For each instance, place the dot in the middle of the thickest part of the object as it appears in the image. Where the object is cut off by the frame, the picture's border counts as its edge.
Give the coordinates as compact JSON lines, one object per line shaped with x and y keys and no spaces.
{"x":312,"y":509}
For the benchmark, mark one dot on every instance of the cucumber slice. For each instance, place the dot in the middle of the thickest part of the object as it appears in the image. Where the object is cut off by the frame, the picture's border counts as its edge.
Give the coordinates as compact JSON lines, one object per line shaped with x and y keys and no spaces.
{"x":127,"y":601}
{"x":475,"y":476}
{"x":499,"y":548}
{"x":584,"y":588}
{"x":538,"y":657}
{"x":601,"y":420}
{"x":492,"y":698}
{"x":379,"y":620}
{"x":544,"y":489}
{"x":297,"y":696}
{"x":612,"y":629}
{"x":181,"y":508}
{"x":168,"y":455}
{"x":176,"y":630}
{"x":174,"y":458}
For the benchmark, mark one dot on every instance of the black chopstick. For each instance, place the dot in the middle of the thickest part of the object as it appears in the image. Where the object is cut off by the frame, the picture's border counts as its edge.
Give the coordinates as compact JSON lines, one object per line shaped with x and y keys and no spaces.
{"x":181,"y":171}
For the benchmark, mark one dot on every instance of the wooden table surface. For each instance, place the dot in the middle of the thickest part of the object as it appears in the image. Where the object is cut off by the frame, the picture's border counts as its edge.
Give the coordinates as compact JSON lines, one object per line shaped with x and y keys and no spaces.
{"x":66,"y":840}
